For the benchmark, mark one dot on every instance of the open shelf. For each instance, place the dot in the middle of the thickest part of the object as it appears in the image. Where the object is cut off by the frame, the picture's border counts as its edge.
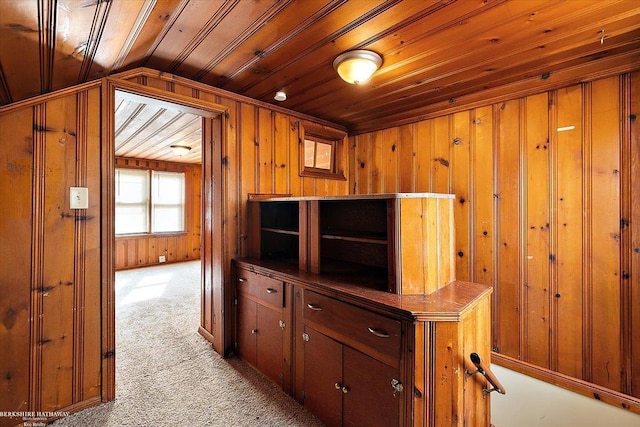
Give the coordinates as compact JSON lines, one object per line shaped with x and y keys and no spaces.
{"x":399,"y":243}
{"x":281,"y":231}
{"x":352,"y":236}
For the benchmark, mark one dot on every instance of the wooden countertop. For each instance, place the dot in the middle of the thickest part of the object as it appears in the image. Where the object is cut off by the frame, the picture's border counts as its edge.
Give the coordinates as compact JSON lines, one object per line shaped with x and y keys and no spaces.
{"x":286,"y":198}
{"x":451,"y":303}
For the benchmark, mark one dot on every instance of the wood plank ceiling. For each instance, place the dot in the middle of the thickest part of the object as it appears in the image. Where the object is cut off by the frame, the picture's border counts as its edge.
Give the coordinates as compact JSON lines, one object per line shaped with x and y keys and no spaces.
{"x":435,"y":53}
{"x":147,"y":131}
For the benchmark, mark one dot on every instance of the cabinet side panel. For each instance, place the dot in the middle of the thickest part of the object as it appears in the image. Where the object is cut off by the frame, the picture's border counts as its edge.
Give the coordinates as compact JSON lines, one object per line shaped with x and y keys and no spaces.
{"x":477,"y":339}
{"x":415,"y":255}
{"x":446,"y":237}
{"x":448,"y":376}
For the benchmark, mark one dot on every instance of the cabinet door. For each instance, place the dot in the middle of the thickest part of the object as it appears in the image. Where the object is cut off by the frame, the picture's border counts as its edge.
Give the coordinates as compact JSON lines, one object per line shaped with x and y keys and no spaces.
{"x":370,"y":399}
{"x":269,"y":338}
{"x":247,"y":330}
{"x":323,"y":377}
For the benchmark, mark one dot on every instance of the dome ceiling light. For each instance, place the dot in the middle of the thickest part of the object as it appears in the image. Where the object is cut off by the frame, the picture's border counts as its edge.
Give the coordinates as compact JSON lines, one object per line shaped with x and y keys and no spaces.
{"x":180,"y":150}
{"x":357,"y":66}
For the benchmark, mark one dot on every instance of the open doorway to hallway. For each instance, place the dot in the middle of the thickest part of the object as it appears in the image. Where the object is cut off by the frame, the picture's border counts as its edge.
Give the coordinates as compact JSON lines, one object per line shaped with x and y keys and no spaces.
{"x":158,"y":224}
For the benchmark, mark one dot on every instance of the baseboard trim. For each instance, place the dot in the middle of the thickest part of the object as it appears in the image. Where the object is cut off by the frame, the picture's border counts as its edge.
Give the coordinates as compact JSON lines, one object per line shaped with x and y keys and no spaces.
{"x":585,"y":388}
{"x":206,"y":334}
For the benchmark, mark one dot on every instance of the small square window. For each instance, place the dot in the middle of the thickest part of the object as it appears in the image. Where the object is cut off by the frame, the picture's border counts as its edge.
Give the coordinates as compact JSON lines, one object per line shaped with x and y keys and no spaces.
{"x":318,"y":152}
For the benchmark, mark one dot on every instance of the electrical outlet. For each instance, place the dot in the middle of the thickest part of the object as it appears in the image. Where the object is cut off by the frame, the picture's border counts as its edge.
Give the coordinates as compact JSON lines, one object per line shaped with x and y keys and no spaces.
{"x":162,"y":258}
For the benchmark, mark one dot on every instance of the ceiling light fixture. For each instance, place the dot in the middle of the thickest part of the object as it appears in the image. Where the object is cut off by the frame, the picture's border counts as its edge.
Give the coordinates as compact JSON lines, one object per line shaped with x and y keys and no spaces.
{"x":280,"y":96}
{"x":180,"y":150}
{"x":357,"y":66}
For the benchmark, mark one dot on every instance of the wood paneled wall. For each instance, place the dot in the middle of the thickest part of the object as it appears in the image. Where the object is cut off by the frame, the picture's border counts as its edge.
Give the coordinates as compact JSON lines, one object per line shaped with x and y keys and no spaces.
{"x":144,"y":250}
{"x":51,"y":289}
{"x":50,"y":254}
{"x":547,"y":212}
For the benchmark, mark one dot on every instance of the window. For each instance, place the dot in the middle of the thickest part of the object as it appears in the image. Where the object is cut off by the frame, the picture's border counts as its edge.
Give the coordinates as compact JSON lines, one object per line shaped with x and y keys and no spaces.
{"x":167,"y":205}
{"x":318,"y":154}
{"x":132,"y":201}
{"x":149,"y":201}
{"x":319,"y":151}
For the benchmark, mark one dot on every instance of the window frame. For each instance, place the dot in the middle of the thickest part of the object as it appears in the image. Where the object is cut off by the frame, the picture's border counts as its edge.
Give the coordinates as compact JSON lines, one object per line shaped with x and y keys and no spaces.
{"x":324,"y":135}
{"x":150,"y":204}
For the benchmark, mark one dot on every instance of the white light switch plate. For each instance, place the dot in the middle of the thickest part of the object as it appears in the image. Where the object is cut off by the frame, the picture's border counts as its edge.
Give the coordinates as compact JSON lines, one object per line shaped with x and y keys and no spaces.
{"x":78,"y":197}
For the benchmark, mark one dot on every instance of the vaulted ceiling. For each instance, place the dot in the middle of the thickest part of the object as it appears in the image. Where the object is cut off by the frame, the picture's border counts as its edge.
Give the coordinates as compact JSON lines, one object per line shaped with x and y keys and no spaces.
{"x":435,"y":53}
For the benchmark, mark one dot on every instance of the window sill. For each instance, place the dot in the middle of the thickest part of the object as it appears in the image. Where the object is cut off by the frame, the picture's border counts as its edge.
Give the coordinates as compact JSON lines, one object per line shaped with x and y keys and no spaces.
{"x":311,"y":173}
{"x":150,"y":235}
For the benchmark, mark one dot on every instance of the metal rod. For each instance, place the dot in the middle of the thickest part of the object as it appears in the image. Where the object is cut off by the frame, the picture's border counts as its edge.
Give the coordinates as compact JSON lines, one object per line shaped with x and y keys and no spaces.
{"x":487,"y":373}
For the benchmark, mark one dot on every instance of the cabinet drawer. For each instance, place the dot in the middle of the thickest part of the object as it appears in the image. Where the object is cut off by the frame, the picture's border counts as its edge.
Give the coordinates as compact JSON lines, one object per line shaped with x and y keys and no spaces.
{"x":380,"y":333}
{"x":265,"y":288}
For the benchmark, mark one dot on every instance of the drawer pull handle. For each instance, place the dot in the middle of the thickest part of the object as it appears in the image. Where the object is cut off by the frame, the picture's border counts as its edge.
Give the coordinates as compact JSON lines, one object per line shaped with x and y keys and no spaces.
{"x":338,"y":386}
{"x":271,"y":291}
{"x":254,"y":331}
{"x":377,"y":333}
{"x":345,"y":389}
{"x":314,"y":307}
{"x":242,"y":280}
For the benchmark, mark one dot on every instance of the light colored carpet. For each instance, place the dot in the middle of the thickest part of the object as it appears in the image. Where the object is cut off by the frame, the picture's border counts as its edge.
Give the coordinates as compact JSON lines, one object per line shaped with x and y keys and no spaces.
{"x":168,"y":375}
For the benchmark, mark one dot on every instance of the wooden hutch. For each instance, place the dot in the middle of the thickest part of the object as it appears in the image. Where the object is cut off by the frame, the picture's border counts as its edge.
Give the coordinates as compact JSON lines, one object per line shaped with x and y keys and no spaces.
{"x":351,"y":305}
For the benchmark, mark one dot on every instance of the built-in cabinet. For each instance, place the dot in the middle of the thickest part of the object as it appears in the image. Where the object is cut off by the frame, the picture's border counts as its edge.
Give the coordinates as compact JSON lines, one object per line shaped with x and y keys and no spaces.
{"x":340,"y":384}
{"x":262,"y":325}
{"x":378,"y":332}
{"x":343,"y":386}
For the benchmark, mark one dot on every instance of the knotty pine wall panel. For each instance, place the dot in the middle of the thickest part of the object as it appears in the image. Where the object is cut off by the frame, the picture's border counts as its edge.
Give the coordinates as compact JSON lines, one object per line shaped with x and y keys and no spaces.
{"x":51,"y":258}
{"x":16,"y":276}
{"x":545,"y":215}
{"x":567,"y":255}
{"x":602,"y":235}
{"x":145,"y":249}
{"x":536,"y":294}
{"x":630,"y":231}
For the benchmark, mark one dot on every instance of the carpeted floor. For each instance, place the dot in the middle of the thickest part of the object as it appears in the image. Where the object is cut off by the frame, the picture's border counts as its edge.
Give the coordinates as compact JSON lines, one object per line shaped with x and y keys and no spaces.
{"x":168,"y":375}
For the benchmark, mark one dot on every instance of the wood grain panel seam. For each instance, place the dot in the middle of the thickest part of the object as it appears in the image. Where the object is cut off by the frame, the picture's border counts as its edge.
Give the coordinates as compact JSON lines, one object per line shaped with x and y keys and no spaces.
{"x":134,"y":33}
{"x":167,"y":27}
{"x":242,"y":38}
{"x":495,"y":245}
{"x":82,"y":123}
{"x":626,"y":235}
{"x":524,"y":207}
{"x":303,"y":26}
{"x":98,"y":25}
{"x":587,"y":232}
{"x":5,"y":93}
{"x":37,"y":258}
{"x":203,"y":33}
{"x":107,"y":242}
{"x":522,"y":203}
{"x":553,"y":232}
{"x":47,"y":14}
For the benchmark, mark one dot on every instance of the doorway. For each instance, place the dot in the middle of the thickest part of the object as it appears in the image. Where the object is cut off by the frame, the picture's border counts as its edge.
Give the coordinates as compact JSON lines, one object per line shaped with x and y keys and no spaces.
{"x":212,"y":138}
